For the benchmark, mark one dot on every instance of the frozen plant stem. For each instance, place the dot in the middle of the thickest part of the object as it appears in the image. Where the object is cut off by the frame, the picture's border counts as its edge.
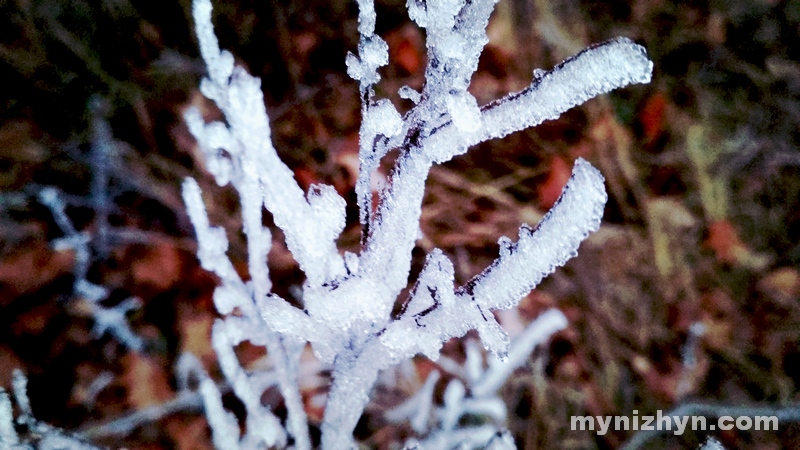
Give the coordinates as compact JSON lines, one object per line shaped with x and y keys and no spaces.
{"x":348,"y":299}
{"x":32,"y":433}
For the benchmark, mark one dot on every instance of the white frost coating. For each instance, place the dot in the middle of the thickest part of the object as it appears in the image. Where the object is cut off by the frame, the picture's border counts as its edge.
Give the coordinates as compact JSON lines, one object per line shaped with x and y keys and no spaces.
{"x":110,"y":320}
{"x":596,"y":70}
{"x":576,"y":213}
{"x":223,"y":424}
{"x":19,"y":384}
{"x":547,"y":324}
{"x":380,"y":119}
{"x":383,"y":119}
{"x":416,"y":409}
{"x":373,"y":52}
{"x":502,"y":441}
{"x":464,"y":110}
{"x":418,"y":12}
{"x":37,"y":434}
{"x":310,"y":232}
{"x":516,"y":272}
{"x":366,"y":17}
{"x":406,"y":92}
{"x":474,"y":393}
{"x":56,"y":441}
{"x":712,"y":444}
{"x":220,"y":64}
{"x":347,"y":302}
{"x":8,"y":434}
{"x":262,"y":425}
{"x":241,"y":153}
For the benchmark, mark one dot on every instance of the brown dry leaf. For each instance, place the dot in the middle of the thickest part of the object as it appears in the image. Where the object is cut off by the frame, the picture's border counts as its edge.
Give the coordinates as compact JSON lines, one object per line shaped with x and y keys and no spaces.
{"x":652,"y":116}
{"x":424,"y":368}
{"x":159,"y":266}
{"x":311,"y":377}
{"x":305,"y":177}
{"x":314,"y":404}
{"x":550,"y":190}
{"x":724,"y":240}
{"x":34,"y":266}
{"x":719,"y":317}
{"x":569,"y":369}
{"x":279,"y":257}
{"x":189,"y":433}
{"x":146,"y":382}
{"x":195,"y":331}
{"x":782,"y":285}
{"x":251,"y":356}
{"x":20,"y":152}
{"x":34,"y":321}
{"x":19,"y":141}
{"x":313,"y":385}
{"x":304,"y":43}
{"x":346,"y":151}
{"x":662,"y":386}
{"x":406,"y":50}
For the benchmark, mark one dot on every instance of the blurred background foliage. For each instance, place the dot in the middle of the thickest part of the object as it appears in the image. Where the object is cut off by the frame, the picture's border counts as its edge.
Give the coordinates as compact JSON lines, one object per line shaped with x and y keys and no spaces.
{"x":687,"y":295}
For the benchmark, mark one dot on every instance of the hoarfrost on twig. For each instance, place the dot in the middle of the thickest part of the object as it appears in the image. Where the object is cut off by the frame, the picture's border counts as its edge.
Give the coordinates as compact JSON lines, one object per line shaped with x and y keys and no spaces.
{"x":711,"y":444}
{"x":347,"y":301}
{"x":36,"y":434}
{"x":474,"y":393}
{"x":112,"y":319}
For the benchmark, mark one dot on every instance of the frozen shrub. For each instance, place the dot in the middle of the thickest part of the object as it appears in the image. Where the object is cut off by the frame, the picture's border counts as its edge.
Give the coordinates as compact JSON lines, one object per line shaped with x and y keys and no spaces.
{"x":348,"y":298}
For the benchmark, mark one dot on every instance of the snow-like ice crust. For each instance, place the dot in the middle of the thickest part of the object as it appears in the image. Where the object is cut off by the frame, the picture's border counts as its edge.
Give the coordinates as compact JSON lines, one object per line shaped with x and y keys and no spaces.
{"x":347,"y":301}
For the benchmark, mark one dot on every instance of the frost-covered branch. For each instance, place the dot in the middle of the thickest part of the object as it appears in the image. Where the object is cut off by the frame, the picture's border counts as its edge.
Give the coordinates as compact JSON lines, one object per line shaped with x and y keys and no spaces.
{"x":711,"y":444}
{"x":594,"y":71}
{"x":473,"y":392}
{"x":110,"y":320}
{"x":32,"y":434}
{"x":597,"y":70}
{"x":521,"y":266}
{"x":185,"y":401}
{"x":347,"y":300}
{"x":241,"y":153}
